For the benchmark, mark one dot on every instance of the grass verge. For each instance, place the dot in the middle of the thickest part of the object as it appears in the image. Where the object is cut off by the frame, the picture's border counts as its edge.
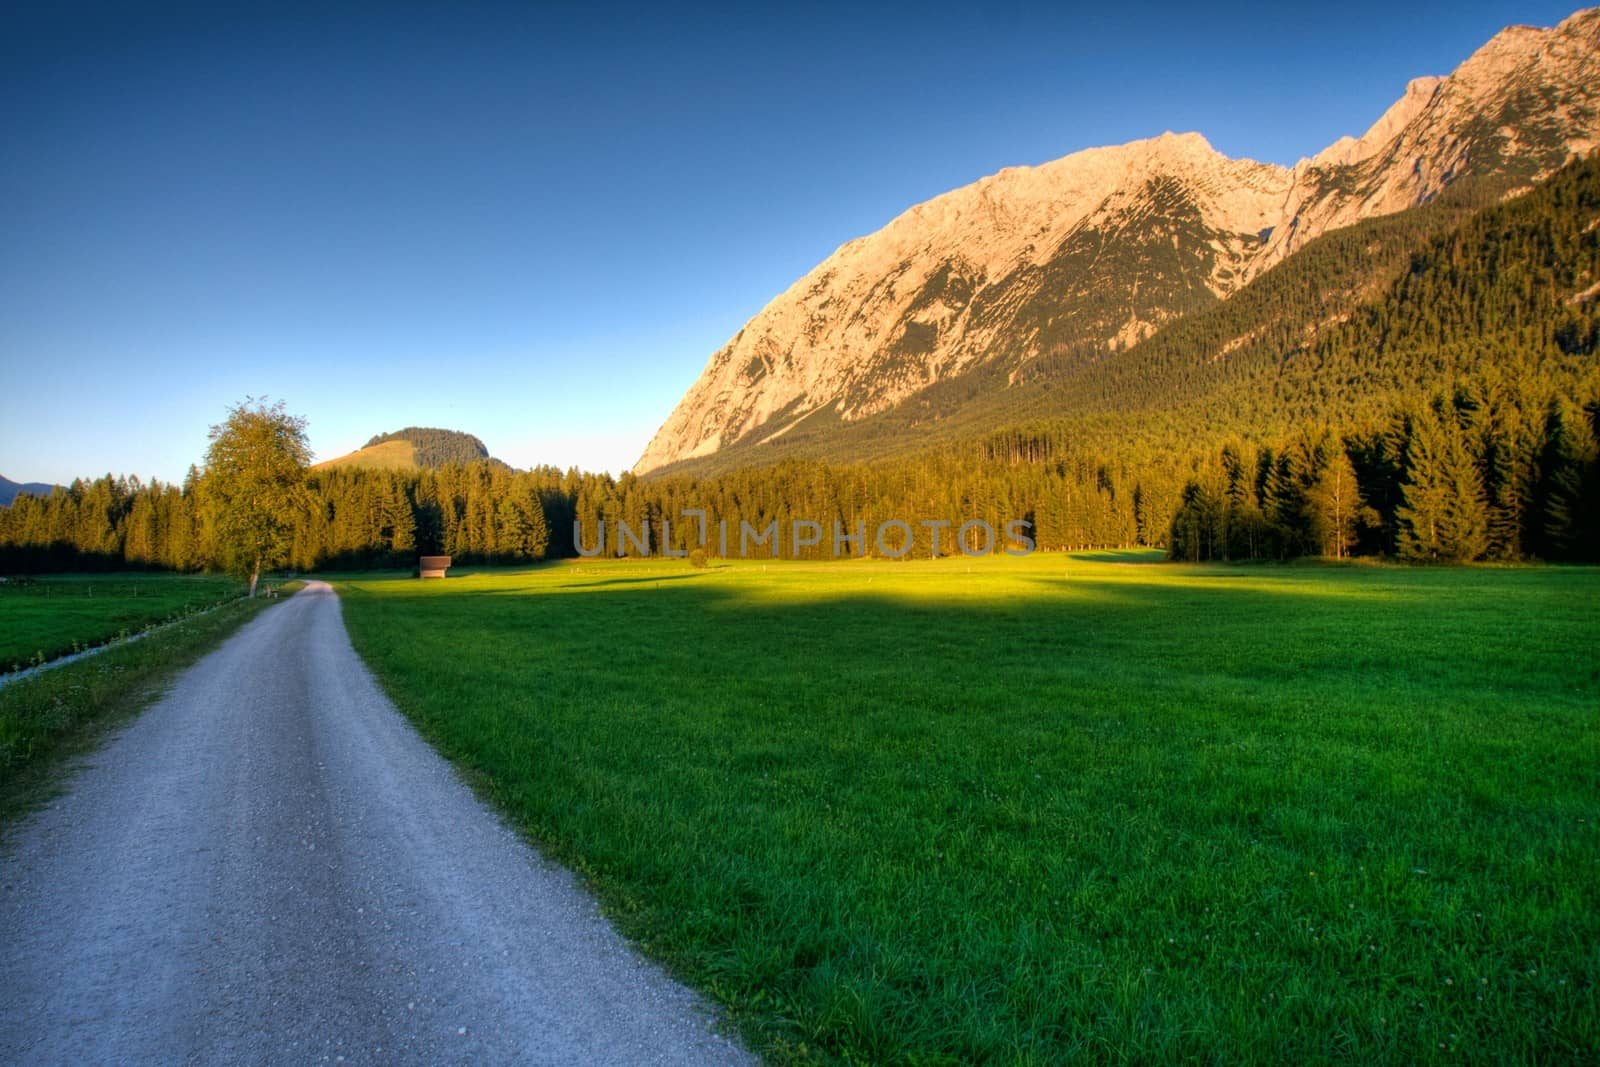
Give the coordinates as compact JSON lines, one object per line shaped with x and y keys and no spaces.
{"x":49,"y":717}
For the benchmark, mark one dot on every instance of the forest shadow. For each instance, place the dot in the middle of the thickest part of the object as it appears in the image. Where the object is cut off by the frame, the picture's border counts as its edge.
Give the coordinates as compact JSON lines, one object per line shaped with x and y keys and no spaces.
{"x":641,"y":580}
{"x":1140,"y":556}
{"x":63,"y":557}
{"x":1071,"y":598}
{"x":852,"y":640}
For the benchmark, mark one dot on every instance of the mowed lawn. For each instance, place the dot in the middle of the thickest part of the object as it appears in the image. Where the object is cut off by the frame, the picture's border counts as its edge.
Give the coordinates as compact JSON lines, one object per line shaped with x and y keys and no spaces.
{"x":53,"y":615}
{"x":1034,"y":810}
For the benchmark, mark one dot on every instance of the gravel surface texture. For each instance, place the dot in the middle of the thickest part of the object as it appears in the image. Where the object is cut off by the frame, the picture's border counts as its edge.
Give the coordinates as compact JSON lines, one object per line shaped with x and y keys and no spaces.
{"x":270,"y":866}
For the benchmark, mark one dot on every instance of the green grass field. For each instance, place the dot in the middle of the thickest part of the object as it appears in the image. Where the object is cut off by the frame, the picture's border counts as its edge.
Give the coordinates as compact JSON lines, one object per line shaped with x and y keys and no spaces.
{"x":50,"y":616}
{"x":1043,"y":809}
{"x":47,"y":717}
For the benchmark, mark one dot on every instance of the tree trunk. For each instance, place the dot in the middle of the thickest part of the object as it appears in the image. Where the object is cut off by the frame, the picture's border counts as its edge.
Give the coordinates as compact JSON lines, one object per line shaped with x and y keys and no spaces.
{"x":255,"y":573}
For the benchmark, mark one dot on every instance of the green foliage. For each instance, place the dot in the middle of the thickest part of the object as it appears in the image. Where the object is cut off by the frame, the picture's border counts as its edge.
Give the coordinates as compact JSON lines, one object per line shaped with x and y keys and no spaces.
{"x":1053,"y":809}
{"x":1528,"y":459}
{"x":1333,"y":505}
{"x":1460,"y":479}
{"x":1445,"y":516}
{"x":254,"y":485}
{"x":1571,"y":473}
{"x":341,"y":517}
{"x":522,"y":534}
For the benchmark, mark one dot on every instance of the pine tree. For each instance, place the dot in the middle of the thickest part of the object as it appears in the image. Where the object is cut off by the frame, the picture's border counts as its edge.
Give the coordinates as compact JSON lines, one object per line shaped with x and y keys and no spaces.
{"x":1423,"y":509}
{"x":522,"y":532}
{"x":1283,"y":503}
{"x":1333,"y":505}
{"x":1445,"y":515}
{"x":1570,"y":484}
{"x":141,"y":531}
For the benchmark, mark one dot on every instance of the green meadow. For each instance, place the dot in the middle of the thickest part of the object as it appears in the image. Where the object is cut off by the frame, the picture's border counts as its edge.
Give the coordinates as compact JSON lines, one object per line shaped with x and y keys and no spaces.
{"x":1045,"y":809}
{"x":42,"y":618}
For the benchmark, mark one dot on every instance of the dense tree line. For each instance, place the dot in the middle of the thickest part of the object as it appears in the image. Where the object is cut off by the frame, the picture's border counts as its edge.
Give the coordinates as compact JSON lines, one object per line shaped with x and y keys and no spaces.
{"x":484,"y":512}
{"x":1484,"y":473}
{"x":1493,"y":470}
{"x":347,"y":517}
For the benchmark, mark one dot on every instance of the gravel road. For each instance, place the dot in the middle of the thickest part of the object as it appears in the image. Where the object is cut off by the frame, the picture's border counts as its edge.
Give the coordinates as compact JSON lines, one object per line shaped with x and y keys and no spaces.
{"x":269,"y":866}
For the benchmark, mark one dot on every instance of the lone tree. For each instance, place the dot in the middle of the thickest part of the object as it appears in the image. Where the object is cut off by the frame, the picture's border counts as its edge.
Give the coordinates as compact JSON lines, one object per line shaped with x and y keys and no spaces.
{"x":1333,"y":505}
{"x":254,"y":484}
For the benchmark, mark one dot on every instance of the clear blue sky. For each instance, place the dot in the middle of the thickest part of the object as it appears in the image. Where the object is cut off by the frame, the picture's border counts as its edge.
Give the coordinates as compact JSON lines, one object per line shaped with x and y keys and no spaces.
{"x":537,"y":228}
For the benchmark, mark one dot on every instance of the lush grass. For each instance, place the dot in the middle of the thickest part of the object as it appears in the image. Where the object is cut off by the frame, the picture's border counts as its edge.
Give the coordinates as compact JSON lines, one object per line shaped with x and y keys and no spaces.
{"x":57,"y":713}
{"x":42,"y":618}
{"x":1035,"y":810}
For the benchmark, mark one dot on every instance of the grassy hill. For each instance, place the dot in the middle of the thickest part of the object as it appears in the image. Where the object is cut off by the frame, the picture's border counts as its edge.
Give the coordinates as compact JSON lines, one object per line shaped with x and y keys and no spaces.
{"x":412,"y":447}
{"x":387,"y":455}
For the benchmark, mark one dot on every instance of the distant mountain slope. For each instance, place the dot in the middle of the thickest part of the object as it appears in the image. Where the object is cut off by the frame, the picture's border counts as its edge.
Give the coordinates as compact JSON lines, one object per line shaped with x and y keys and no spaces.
{"x":1082,"y":258}
{"x":1362,"y":321}
{"x":9,"y":490}
{"x":414,"y":446}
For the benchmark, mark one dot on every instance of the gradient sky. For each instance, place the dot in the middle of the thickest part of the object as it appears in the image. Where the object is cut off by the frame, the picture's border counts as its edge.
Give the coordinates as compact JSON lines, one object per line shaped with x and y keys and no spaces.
{"x":538,"y":228}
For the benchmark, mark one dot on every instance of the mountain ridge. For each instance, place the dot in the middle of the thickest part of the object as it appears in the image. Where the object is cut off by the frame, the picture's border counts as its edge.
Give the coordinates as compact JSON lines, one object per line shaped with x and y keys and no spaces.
{"x":1092,"y":253}
{"x":10,"y":490}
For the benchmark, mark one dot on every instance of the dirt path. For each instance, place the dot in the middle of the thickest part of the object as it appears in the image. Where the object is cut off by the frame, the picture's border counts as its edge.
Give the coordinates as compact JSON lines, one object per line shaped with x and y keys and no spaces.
{"x":269,"y":866}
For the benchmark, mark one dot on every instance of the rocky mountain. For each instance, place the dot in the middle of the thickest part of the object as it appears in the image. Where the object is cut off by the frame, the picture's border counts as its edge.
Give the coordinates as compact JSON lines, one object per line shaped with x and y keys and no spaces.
{"x":1084,"y":257}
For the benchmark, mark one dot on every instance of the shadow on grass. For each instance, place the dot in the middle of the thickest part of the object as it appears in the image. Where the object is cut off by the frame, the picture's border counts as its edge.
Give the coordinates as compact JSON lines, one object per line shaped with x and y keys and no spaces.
{"x":640,"y":581}
{"x":1121,"y":555}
